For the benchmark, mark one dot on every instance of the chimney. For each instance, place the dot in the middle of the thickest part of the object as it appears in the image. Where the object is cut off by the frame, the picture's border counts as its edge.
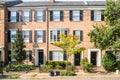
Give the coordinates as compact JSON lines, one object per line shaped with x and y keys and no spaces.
{"x":52,"y":1}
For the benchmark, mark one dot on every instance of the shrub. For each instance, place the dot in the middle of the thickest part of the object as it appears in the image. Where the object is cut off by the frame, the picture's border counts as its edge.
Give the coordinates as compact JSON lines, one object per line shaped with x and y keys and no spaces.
{"x":67,"y":73}
{"x":109,"y":62}
{"x":86,"y":66}
{"x":19,"y":67}
{"x":45,"y":68}
{"x":118,"y":65}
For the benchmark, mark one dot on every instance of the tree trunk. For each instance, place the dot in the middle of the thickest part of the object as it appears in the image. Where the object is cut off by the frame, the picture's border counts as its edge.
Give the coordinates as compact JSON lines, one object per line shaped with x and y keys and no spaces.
{"x":67,"y":62}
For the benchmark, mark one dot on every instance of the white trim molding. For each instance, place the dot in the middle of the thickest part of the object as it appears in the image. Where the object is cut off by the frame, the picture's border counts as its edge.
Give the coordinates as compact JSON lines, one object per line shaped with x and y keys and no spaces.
{"x":98,"y":58}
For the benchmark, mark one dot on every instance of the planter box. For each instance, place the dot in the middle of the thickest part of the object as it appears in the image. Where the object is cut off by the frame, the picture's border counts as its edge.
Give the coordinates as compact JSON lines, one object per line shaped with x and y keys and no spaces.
{"x":57,"y":73}
{"x":51,"y":73}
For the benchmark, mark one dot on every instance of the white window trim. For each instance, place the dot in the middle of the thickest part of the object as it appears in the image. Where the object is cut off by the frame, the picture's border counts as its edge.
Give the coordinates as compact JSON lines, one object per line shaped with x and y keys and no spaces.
{"x":97,"y":15}
{"x":26,"y":40}
{"x":40,"y":40}
{"x":13,"y":18}
{"x":56,"y":17}
{"x":39,"y":18}
{"x":58,"y":55}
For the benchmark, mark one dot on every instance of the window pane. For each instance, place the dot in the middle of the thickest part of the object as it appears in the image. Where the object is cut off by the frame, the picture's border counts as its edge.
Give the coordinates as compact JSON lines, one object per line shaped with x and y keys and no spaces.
{"x":12,"y":35}
{"x":40,"y":36}
{"x":26,"y":16}
{"x":13,"y":17}
{"x":26,"y":36}
{"x":97,"y":15}
{"x":39,"y":16}
{"x":56,"y":15}
{"x":76,"y":15}
{"x":57,"y":56}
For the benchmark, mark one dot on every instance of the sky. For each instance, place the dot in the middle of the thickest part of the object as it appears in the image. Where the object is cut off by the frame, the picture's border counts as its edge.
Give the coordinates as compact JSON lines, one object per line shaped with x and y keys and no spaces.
{"x":62,"y":0}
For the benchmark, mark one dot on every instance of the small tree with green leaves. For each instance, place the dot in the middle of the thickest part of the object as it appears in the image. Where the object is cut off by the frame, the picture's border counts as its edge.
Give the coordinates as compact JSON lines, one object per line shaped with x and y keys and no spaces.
{"x":18,"y":46}
{"x":69,"y":45}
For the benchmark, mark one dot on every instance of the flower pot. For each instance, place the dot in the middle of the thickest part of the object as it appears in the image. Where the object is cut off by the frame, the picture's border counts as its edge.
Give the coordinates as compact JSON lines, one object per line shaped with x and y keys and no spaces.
{"x":51,"y":73}
{"x":57,"y":73}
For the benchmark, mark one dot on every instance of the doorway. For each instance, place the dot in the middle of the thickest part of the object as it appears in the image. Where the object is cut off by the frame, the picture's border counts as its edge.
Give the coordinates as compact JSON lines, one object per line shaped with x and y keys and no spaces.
{"x":77,"y":59}
{"x":40,"y":57}
{"x":94,"y":58}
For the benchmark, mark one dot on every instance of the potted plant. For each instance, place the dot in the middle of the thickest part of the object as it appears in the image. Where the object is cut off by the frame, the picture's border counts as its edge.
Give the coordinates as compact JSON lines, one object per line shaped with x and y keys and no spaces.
{"x":51,"y":73}
{"x":57,"y":73}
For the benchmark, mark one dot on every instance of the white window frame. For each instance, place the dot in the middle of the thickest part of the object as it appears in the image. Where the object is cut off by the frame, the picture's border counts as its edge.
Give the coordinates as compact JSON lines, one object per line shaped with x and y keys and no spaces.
{"x":55,"y":35}
{"x":26,"y":16}
{"x":78,"y":35}
{"x":13,"y":16}
{"x":39,"y":37}
{"x":12,"y":35}
{"x":56,"y":15}
{"x":97,"y":15}
{"x":39,"y":17}
{"x":26,"y":37}
{"x":28,"y":53}
{"x":75,"y":15}
{"x":57,"y":56}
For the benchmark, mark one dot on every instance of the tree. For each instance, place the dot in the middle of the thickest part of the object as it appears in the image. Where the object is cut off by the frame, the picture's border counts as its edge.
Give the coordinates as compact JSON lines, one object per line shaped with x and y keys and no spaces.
{"x":18,"y":46}
{"x":69,"y":45}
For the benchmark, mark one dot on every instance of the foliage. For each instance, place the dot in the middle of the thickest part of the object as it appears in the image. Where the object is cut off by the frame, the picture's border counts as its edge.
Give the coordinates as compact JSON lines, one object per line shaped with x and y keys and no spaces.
{"x":86,"y":66}
{"x":10,"y":76}
{"x":57,"y":64}
{"x":68,"y":44}
{"x":118,"y":65}
{"x":19,"y":67}
{"x":45,"y":68}
{"x":18,"y":46}
{"x":67,"y":73}
{"x":109,"y":62}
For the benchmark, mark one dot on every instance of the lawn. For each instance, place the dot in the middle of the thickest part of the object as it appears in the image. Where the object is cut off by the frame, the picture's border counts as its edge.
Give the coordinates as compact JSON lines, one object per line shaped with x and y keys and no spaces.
{"x":10,"y":76}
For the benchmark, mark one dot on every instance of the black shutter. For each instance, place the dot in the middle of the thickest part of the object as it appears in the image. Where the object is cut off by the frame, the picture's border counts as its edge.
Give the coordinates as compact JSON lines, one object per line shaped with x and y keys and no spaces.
{"x":30,"y":36}
{"x":9,"y":38}
{"x":35,"y":16}
{"x":30,"y":16}
{"x":81,"y":15}
{"x":17,"y":16}
{"x":65,"y":56}
{"x":30,"y":55}
{"x":92,"y":15}
{"x":50,"y":55}
{"x":102,"y":15}
{"x":9,"y":14}
{"x":70,"y":16}
{"x":9,"y":55}
{"x":44,"y":36}
{"x":51,"y":15}
{"x":81,"y":35}
{"x":35,"y":36}
{"x":61,"y":15}
{"x":73,"y":32}
{"x":44,"y":15}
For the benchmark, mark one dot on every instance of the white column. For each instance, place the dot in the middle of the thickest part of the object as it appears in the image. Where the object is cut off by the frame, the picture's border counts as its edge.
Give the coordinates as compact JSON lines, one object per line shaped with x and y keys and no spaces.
{"x":36,"y":57}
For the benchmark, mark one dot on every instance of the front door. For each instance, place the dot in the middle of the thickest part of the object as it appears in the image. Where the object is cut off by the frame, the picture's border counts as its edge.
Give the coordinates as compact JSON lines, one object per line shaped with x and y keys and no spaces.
{"x":94,"y":58}
{"x":77,"y":59}
{"x":40,"y":57}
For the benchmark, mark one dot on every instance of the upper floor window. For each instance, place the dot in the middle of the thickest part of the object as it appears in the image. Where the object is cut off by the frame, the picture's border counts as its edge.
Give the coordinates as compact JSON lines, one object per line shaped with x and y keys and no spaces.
{"x":40,"y":36}
{"x":39,"y":16}
{"x":96,"y":15}
{"x":55,"y":34}
{"x":13,"y":16}
{"x":12,"y":35}
{"x":27,"y":36}
{"x":56,"y":15}
{"x":76,"y":15}
{"x":79,"y":34}
{"x":26,"y":16}
{"x":57,"y":56}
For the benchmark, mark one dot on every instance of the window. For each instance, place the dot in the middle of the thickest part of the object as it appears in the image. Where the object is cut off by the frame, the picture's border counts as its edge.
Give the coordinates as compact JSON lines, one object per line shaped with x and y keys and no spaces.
{"x":39,"y":16}
{"x":28,"y":56}
{"x":55,"y":34}
{"x":10,"y":58}
{"x":40,"y":36}
{"x":96,"y":15}
{"x":13,"y":16}
{"x":79,"y":34}
{"x":27,"y":36}
{"x":56,"y":56}
{"x":26,"y":16}
{"x":76,"y":15}
{"x":12,"y":35}
{"x":56,"y":15}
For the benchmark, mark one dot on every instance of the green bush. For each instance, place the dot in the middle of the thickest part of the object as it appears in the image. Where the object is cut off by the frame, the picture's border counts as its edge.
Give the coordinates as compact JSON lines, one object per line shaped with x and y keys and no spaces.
{"x":86,"y":66}
{"x":109,"y":62}
{"x":45,"y":68}
{"x":19,"y":67}
{"x":67,"y":73}
{"x":57,"y":64}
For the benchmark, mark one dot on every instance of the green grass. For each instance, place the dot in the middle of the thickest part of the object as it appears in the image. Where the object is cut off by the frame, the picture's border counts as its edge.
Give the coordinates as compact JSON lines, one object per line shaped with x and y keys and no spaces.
{"x":11,"y":76}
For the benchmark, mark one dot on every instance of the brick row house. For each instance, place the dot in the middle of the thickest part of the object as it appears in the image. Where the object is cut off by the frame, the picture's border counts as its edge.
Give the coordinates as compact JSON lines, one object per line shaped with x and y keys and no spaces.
{"x":42,"y":23}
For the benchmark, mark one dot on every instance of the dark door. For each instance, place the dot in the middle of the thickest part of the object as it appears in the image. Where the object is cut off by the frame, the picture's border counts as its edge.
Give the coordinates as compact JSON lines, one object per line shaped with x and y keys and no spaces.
{"x":94,"y":58}
{"x":77,"y":58}
{"x":40,"y":57}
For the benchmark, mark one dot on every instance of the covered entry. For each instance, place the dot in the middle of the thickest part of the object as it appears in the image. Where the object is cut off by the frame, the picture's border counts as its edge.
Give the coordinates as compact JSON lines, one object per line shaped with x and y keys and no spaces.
{"x":77,"y":58}
{"x":39,"y":57}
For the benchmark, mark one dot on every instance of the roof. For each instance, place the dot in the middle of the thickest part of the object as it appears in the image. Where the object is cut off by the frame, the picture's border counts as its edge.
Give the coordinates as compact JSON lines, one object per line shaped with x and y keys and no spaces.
{"x":71,"y":3}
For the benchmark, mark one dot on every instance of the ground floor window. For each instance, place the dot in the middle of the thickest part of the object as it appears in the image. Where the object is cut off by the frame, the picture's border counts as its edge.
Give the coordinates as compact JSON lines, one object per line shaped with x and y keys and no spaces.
{"x":57,"y":56}
{"x":28,"y":55}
